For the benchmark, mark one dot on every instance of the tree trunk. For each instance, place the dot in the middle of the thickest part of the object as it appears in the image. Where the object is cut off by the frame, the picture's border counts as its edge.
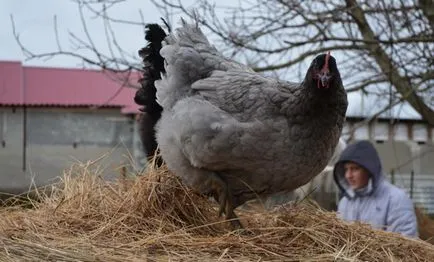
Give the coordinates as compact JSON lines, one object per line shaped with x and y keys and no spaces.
{"x":427,"y":7}
{"x":402,"y":85}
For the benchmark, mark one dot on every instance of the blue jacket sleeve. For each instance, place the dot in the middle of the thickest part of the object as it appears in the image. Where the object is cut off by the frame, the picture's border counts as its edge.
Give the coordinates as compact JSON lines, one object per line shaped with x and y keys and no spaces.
{"x":342,"y":208}
{"x":401,"y":216}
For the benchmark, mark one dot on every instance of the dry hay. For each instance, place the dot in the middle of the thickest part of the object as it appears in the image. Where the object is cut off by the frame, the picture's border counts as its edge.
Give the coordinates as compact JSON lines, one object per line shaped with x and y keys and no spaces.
{"x":155,"y":218}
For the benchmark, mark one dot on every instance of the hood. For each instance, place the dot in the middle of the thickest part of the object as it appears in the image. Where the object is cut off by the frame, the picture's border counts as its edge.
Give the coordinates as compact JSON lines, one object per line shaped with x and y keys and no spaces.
{"x":364,"y":154}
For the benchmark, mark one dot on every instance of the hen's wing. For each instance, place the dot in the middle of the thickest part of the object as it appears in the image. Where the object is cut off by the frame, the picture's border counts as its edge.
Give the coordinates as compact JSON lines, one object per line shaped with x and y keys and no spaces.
{"x":248,"y":95}
{"x":188,"y":57}
{"x":235,"y":120}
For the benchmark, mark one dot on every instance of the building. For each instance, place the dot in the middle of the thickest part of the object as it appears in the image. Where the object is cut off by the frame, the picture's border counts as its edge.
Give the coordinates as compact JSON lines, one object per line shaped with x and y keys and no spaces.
{"x":53,"y":117}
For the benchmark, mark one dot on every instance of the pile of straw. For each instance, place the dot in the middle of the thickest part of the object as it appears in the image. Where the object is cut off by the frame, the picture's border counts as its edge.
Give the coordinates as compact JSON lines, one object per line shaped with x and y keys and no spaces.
{"x":154,"y":217}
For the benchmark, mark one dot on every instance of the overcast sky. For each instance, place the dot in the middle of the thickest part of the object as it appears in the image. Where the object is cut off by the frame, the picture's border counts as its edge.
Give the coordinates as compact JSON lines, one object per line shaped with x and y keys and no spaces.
{"x":34,"y":22}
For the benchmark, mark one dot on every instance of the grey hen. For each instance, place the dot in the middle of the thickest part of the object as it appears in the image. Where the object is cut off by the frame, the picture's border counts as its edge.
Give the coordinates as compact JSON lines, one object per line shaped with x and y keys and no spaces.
{"x":237,"y":135}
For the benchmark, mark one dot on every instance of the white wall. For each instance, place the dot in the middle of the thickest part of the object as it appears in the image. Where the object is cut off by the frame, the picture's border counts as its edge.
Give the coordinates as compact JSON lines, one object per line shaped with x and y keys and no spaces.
{"x":57,"y":138}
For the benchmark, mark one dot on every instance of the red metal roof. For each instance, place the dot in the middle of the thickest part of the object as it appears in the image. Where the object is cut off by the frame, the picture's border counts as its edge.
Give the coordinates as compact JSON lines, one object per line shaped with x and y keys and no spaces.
{"x":65,"y":87}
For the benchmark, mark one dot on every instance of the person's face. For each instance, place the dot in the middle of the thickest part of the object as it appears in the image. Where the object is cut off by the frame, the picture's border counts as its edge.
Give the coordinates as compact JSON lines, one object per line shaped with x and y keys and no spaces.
{"x":356,"y":176}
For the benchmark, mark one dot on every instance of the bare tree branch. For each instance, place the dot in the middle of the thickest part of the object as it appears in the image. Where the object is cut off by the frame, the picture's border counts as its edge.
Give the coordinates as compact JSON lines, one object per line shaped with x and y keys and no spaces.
{"x":384,"y":48}
{"x":390,"y":59}
{"x":402,"y":85}
{"x":304,"y":56}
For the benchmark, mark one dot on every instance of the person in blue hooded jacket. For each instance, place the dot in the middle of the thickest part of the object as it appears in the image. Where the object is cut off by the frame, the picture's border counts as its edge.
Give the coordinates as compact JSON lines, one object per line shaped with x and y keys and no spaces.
{"x":367,"y":196}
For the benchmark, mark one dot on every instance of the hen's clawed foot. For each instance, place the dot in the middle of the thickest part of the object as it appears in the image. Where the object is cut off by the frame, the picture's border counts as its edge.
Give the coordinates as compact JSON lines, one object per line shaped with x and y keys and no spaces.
{"x":223,"y":196}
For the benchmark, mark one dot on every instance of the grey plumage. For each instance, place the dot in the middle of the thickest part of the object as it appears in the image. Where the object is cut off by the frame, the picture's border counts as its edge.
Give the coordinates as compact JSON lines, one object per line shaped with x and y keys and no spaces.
{"x":235,"y":134}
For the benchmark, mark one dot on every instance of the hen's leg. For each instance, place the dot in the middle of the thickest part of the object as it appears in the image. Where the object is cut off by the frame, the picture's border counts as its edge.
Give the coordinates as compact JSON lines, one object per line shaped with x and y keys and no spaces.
{"x":223,"y":196}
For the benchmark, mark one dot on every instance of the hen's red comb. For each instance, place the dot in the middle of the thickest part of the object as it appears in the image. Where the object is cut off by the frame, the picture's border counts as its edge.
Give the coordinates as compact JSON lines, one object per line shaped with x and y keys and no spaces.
{"x":326,"y":64}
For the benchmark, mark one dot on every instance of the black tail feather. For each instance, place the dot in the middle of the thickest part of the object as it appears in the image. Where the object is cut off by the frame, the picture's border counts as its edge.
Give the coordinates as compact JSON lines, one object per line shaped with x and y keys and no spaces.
{"x":153,"y":66}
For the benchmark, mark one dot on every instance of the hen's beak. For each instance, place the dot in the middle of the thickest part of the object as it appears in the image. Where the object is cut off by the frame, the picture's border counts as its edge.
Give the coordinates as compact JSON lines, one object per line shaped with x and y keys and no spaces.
{"x":324,"y":78}
{"x":324,"y":75}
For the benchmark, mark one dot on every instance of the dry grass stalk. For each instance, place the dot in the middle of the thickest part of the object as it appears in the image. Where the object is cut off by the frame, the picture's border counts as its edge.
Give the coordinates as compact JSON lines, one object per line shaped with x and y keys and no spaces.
{"x":154,"y":217}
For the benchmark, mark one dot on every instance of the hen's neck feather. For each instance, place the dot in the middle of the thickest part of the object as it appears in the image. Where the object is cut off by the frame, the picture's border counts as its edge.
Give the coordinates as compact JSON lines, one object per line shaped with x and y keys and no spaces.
{"x":308,"y":100}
